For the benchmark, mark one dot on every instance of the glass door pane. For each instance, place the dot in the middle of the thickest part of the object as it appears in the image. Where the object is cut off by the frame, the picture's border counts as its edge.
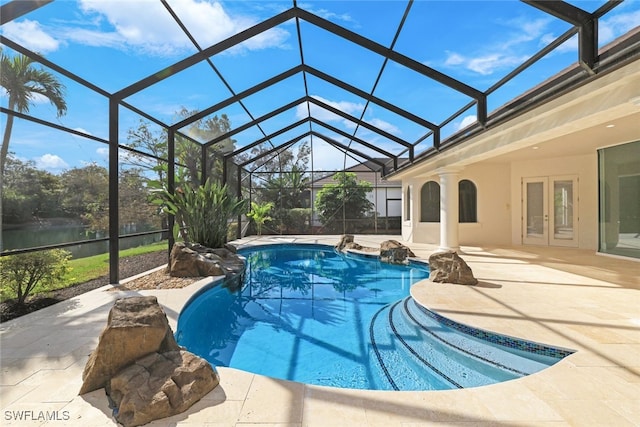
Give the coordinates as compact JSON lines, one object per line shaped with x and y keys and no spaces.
{"x":619,"y":191}
{"x":535,"y":212}
{"x":563,"y":210}
{"x":535,"y":220}
{"x":564,"y":220}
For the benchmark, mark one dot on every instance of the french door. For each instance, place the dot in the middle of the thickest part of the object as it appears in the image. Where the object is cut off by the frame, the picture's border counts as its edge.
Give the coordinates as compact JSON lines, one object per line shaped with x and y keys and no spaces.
{"x":550,"y":210}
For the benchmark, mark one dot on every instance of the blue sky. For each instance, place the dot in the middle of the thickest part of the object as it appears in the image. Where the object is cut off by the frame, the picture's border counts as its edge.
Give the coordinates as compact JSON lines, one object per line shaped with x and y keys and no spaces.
{"x":115,"y":43}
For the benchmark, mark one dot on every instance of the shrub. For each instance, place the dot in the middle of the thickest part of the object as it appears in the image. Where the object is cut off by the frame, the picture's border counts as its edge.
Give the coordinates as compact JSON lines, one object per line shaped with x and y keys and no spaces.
{"x":22,"y":273}
{"x":232,"y":231}
{"x":202,"y":213}
{"x":299,"y":220}
{"x":259,"y":213}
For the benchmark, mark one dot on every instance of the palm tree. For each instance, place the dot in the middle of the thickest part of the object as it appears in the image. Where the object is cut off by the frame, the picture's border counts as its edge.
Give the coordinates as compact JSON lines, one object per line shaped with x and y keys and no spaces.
{"x":22,"y":82}
{"x":259,"y":213}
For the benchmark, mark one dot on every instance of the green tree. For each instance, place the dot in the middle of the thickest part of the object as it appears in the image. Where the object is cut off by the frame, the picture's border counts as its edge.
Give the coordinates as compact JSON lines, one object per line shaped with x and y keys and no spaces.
{"x":145,"y":139}
{"x":259,"y":213}
{"x":29,"y":193}
{"x":189,"y":153}
{"x":288,"y":191}
{"x":85,"y":196}
{"x":271,"y":165}
{"x":346,"y":199}
{"x":281,"y":179}
{"x":21,"y":273}
{"x":134,"y":205}
{"x":22,"y":82}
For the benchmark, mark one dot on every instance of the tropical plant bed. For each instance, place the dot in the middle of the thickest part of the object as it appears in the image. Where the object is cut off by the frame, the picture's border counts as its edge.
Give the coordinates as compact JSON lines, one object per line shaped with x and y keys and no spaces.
{"x":129,"y":266}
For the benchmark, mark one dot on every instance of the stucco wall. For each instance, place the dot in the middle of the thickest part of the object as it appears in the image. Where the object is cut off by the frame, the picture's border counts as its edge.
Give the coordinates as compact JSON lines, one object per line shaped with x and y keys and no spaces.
{"x":494,"y":205}
{"x":500,"y":201}
{"x":492,"y":182}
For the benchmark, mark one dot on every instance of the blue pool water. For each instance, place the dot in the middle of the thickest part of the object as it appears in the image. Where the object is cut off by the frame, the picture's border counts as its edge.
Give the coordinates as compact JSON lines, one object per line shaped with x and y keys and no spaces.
{"x":310,"y":314}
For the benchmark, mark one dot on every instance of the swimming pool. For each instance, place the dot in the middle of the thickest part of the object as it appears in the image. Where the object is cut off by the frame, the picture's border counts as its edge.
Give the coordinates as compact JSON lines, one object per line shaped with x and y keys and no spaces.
{"x":310,"y":314}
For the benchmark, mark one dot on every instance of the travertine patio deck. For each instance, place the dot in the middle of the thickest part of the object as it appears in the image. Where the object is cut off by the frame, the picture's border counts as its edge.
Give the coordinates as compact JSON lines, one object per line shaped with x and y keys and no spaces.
{"x":564,"y":297}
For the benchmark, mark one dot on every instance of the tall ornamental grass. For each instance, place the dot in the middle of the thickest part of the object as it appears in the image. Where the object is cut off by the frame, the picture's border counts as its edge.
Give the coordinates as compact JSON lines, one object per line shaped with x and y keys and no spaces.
{"x":202,"y":213}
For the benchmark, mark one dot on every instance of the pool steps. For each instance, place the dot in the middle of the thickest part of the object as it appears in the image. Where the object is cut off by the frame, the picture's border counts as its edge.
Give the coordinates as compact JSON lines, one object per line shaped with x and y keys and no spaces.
{"x":409,"y":362}
{"x":399,"y":368}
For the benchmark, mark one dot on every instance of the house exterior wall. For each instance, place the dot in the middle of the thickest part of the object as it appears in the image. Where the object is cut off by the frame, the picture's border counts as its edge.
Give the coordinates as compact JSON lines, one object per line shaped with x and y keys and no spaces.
{"x":494,"y":205}
{"x":379,"y":198}
{"x":557,"y":139}
{"x":493,"y":187}
{"x":499,"y":192}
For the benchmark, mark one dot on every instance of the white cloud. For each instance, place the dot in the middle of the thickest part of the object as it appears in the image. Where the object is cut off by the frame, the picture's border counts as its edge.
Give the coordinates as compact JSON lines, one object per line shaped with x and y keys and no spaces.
{"x":275,"y":37}
{"x":37,"y":98}
{"x":323,"y":114}
{"x":124,"y":156}
{"x":505,"y":53}
{"x":51,"y":163}
{"x":30,"y":35}
{"x":527,"y":31}
{"x":386,"y":126}
{"x":615,"y":26}
{"x":466,"y":121}
{"x":570,"y":45}
{"x":327,"y":14}
{"x":147,"y":26}
{"x":34,"y":98}
{"x":327,"y":157}
{"x":454,"y":59}
{"x":94,"y":38}
{"x":351,"y":108}
{"x":83,"y":131}
{"x":508,"y":52}
{"x":486,"y":65}
{"x":103,"y":152}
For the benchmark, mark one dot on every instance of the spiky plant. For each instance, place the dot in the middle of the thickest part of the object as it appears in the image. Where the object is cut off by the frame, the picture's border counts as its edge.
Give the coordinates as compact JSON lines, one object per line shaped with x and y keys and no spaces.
{"x":202,"y":213}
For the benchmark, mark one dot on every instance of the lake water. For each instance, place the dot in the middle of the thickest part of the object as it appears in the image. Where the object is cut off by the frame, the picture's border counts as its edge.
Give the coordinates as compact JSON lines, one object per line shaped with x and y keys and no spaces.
{"x":35,"y":236}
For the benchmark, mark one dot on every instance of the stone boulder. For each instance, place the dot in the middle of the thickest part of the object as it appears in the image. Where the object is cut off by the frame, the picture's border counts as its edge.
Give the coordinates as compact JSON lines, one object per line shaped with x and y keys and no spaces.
{"x":160,"y":385}
{"x":394,"y":252}
{"x":199,"y":261}
{"x":347,"y":242}
{"x":136,"y":326}
{"x":450,"y":268}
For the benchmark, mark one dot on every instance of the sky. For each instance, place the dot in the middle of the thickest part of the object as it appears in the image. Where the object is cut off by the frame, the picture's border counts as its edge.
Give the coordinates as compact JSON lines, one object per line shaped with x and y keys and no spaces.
{"x":113,"y":44}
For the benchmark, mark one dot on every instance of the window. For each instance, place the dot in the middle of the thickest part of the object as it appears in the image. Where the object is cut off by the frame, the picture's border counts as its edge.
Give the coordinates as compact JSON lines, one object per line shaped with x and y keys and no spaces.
{"x":407,"y":204}
{"x":619,"y":171}
{"x":430,"y":202}
{"x":468,"y":201}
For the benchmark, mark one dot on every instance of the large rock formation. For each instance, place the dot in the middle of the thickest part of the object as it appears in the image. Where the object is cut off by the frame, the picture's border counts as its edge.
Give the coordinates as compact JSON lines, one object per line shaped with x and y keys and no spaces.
{"x":347,"y":242}
{"x":160,"y":385}
{"x":394,"y":252}
{"x":200,"y":261}
{"x":450,"y":268}
{"x":146,"y":374}
{"x":136,"y":326}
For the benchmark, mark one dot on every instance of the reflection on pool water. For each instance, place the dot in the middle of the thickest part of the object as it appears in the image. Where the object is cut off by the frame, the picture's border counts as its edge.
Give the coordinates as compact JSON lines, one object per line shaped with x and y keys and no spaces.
{"x":310,"y":314}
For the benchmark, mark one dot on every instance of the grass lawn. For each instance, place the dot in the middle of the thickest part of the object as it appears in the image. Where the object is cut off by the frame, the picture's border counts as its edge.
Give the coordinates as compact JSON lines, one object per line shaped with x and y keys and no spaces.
{"x":84,"y":269}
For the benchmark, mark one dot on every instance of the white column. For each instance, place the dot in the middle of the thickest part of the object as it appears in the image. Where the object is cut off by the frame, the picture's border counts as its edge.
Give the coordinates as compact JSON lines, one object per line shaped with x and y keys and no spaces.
{"x":449,"y":209}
